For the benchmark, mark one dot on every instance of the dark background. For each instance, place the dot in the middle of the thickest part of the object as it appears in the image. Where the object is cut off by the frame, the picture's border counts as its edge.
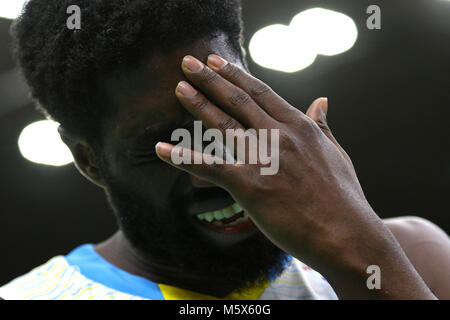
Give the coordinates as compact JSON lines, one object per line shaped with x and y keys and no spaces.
{"x":388,"y":106}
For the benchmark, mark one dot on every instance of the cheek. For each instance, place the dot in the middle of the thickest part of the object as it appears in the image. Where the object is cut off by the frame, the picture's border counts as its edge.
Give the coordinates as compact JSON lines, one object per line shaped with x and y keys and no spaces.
{"x":156,"y":178}
{"x":153,"y":180}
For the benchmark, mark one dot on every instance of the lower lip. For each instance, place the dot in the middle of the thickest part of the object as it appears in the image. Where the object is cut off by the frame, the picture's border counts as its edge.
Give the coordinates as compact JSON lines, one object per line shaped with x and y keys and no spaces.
{"x":240,"y":227}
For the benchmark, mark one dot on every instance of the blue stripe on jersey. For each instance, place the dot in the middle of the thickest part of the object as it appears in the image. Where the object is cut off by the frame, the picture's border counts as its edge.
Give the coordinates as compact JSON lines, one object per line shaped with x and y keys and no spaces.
{"x":272,"y":275}
{"x":95,"y":268}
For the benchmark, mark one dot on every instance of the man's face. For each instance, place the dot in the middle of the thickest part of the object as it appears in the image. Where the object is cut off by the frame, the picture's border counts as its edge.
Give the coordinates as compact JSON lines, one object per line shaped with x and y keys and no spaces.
{"x":156,"y":204}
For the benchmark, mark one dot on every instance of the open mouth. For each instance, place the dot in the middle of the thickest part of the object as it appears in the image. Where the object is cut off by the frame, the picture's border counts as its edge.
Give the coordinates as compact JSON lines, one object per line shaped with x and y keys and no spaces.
{"x":231,"y":219}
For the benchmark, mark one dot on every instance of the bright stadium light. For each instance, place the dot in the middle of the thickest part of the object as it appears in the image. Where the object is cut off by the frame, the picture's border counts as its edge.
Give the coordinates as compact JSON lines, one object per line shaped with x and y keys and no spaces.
{"x":11,"y":9}
{"x":277,"y":47}
{"x":295,"y":47}
{"x":40,"y":143}
{"x":329,"y":32}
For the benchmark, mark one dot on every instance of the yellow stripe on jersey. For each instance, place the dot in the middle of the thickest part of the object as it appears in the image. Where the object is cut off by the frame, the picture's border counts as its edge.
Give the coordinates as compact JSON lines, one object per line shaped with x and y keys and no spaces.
{"x":174,"y":293}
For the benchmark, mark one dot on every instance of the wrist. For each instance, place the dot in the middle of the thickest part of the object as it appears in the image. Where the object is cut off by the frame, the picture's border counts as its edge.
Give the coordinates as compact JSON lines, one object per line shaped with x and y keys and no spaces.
{"x":343,"y":259}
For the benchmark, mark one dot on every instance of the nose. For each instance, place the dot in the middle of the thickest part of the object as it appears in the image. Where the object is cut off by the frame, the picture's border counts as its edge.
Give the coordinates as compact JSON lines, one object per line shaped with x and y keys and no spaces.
{"x":200,"y":183}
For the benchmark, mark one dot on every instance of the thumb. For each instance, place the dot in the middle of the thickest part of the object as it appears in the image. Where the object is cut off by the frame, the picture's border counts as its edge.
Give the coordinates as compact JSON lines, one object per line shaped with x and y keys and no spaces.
{"x":318,"y":112}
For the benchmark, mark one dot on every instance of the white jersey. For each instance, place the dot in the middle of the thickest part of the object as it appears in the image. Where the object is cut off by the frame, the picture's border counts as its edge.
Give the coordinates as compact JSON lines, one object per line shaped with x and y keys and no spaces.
{"x":84,"y":275}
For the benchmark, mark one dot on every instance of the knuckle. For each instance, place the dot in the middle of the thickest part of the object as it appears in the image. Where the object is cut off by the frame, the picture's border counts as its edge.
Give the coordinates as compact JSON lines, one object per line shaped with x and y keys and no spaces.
{"x":286,"y":141}
{"x":260,"y":90}
{"x":228,"y":123}
{"x":239,"y":99}
{"x":285,"y":115}
{"x":306,"y":124}
{"x":200,"y":104}
{"x":208,"y":76}
{"x":232,"y":72}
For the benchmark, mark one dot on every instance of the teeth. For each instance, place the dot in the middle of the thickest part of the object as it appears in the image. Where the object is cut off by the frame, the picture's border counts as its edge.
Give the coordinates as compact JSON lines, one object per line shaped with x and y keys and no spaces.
{"x":220,"y":214}
{"x":244,"y":218}
{"x":209,"y":216}
{"x":236,"y":208}
{"x":228,"y":212}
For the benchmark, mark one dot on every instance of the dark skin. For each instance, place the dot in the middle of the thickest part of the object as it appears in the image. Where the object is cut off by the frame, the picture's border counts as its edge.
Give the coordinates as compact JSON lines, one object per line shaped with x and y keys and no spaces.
{"x":322,"y":214}
{"x":144,"y":99}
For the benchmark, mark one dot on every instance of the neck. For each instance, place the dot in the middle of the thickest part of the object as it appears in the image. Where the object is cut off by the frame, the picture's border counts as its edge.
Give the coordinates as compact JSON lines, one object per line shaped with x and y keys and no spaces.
{"x":118,"y":251}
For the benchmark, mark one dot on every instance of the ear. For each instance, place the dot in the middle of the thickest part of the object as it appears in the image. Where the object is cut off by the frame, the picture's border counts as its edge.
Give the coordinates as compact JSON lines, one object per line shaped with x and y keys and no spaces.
{"x":244,"y":59}
{"x":244,"y":53}
{"x":83,"y":154}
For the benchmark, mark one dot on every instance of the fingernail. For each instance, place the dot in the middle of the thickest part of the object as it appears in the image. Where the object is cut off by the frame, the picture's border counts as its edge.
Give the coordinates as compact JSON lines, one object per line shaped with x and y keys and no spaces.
{"x":324,"y":108}
{"x":216,"y":62}
{"x":186,"y":89}
{"x":163,"y":150}
{"x":192,"y":64}
{"x":324,"y":105}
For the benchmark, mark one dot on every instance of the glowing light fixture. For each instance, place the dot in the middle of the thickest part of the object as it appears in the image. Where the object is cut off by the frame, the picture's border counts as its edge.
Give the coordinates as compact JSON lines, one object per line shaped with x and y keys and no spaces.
{"x":329,"y":32}
{"x":295,"y":47}
{"x":11,"y":9}
{"x":278,"y":47}
{"x":40,"y":142}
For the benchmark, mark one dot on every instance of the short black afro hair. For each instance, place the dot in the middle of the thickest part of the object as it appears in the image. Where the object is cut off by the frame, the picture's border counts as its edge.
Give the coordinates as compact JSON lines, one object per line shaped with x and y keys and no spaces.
{"x":63,"y":67}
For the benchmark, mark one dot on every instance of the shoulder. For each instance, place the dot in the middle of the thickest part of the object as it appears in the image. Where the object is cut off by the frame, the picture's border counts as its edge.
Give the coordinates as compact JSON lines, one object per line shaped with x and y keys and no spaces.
{"x":19,"y":288}
{"x":411,"y":230}
{"x":427,"y":246}
{"x":58,"y":280}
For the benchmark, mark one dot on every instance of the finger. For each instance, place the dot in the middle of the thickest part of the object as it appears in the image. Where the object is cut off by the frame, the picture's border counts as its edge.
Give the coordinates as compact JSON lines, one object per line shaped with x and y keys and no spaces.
{"x":230,"y":98}
{"x":214,"y":118}
{"x":318,"y":112}
{"x":260,"y":92}
{"x":202,"y":165}
{"x":203,"y":109}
